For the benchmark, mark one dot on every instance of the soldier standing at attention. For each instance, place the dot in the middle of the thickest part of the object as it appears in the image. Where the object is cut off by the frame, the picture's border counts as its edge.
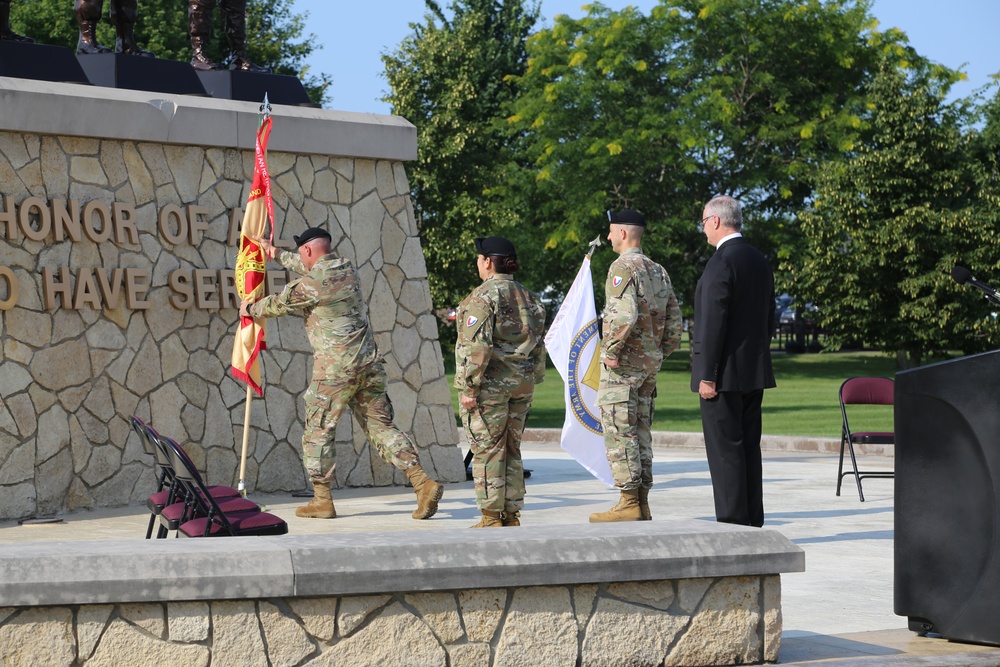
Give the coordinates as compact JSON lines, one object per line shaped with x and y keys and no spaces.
{"x":499,"y":358}
{"x":642,"y":326}
{"x":347,"y":369}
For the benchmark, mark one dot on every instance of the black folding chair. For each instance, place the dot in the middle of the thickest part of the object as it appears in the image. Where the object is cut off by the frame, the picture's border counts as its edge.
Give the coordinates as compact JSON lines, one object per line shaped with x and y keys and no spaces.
{"x":164,"y":476}
{"x":174,"y":499}
{"x":187,"y":505}
{"x":863,"y":391}
{"x":213,"y":521}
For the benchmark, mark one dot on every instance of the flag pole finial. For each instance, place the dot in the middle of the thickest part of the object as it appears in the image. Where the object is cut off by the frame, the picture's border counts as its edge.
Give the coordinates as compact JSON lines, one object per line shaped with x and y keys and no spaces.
{"x":265,"y":107}
{"x":593,"y":245}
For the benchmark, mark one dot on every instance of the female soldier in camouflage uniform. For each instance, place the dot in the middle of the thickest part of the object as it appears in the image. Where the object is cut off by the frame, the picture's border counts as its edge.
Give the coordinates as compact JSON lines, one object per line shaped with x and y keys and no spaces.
{"x":499,"y":358}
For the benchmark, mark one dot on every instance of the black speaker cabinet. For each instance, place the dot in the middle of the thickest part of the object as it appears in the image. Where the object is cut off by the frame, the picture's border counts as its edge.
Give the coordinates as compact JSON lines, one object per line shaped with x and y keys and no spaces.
{"x":947,"y":556}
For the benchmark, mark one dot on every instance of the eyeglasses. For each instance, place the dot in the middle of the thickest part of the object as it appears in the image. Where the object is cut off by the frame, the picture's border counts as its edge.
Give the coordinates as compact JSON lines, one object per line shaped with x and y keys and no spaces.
{"x":701,"y":225}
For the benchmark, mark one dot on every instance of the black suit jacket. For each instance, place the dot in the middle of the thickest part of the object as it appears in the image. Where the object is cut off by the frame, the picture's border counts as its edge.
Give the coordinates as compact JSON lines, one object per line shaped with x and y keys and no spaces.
{"x":734,"y":320}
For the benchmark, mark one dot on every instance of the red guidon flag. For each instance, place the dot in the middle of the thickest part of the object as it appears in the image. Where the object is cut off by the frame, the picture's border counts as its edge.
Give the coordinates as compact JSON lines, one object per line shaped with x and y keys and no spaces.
{"x":250,"y":265}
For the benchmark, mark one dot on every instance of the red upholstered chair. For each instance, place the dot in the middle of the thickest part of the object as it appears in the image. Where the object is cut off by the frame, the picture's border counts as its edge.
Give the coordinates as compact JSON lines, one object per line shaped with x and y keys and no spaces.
{"x":174,"y":494}
{"x":863,"y":391}
{"x":212,"y":519}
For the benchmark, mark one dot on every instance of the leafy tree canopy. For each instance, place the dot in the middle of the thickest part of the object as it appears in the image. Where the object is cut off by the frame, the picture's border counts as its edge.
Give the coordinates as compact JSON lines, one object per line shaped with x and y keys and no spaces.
{"x":451,"y":79}
{"x":890,"y":220}
{"x":700,"y":97}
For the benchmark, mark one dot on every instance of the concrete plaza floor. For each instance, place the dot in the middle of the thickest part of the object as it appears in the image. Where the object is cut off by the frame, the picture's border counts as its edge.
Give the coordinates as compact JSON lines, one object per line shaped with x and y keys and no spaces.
{"x":839,"y":611}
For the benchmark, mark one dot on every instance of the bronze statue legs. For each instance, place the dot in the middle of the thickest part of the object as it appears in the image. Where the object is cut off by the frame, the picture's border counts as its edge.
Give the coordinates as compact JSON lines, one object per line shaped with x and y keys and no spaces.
{"x":234,"y":20}
{"x":5,"y":31}
{"x":88,"y":15}
{"x":235,"y":26}
{"x":200,"y":28}
{"x":123,"y":16}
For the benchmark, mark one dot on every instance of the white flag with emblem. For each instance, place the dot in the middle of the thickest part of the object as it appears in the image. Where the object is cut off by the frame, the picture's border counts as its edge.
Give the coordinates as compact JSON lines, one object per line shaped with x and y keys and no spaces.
{"x":573,"y":345}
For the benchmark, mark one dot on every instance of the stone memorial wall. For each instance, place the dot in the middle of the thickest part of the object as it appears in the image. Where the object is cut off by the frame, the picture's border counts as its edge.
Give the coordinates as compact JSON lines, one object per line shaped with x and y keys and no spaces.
{"x":725,"y":621}
{"x":119,"y":221}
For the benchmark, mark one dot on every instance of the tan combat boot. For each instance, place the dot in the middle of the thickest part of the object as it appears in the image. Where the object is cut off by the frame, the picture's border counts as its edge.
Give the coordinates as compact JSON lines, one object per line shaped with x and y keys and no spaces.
{"x":627,"y":509}
{"x":511,"y":518}
{"x":644,"y":504}
{"x":489,"y":520}
{"x":428,"y":492}
{"x":321,"y":506}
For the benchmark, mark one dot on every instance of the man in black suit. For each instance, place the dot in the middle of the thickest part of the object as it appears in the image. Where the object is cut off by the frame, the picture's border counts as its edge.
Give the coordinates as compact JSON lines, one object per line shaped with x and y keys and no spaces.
{"x":731,"y":361}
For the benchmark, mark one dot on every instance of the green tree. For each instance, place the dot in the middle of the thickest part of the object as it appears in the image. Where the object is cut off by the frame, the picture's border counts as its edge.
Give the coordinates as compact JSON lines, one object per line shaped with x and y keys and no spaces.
{"x":889,"y":222}
{"x":274,"y":34}
{"x":700,"y":97}
{"x":451,"y":79}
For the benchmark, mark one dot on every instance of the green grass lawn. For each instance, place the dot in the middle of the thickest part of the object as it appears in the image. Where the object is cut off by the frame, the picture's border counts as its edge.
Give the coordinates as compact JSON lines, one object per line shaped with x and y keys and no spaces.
{"x":804,"y":402}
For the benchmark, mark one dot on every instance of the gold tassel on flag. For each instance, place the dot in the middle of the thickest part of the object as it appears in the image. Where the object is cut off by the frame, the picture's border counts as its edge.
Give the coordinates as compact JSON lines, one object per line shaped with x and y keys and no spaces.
{"x":250,"y":277}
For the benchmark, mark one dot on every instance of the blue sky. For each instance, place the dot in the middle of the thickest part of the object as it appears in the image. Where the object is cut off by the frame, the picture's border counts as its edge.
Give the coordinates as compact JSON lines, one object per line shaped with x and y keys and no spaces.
{"x":354,"y":33}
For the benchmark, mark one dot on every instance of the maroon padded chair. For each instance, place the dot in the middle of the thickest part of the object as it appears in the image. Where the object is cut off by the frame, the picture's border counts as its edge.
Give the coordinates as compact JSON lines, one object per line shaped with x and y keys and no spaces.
{"x":213,"y":520}
{"x":863,"y":391}
{"x":175,"y":492}
{"x":188,"y":505}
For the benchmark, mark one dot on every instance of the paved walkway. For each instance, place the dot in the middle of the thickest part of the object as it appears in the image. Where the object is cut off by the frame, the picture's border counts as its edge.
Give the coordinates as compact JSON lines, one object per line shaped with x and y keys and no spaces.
{"x":839,"y":610}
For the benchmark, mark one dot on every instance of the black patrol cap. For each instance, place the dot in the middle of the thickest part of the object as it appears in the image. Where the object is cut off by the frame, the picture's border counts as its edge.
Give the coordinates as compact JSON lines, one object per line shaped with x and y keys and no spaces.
{"x":310,"y":234}
{"x":495,"y":245}
{"x":626,"y":217}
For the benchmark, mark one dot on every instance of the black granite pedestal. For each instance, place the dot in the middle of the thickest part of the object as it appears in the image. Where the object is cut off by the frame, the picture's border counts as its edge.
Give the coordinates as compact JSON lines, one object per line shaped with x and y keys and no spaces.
{"x":116,"y":70}
{"x":40,"y":61}
{"x":252,"y":86}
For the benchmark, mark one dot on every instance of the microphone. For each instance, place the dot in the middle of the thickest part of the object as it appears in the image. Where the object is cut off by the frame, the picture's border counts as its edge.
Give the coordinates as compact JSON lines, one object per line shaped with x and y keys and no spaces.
{"x":963,"y":276}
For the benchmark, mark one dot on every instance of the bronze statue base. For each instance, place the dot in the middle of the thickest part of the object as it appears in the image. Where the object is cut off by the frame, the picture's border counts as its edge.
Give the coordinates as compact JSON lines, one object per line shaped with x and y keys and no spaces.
{"x":43,"y":62}
{"x":116,"y":70}
{"x":251,"y":87}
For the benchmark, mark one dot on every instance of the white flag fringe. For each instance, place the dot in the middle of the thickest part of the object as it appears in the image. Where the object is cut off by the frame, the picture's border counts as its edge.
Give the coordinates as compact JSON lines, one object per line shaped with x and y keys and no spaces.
{"x":573,"y":345}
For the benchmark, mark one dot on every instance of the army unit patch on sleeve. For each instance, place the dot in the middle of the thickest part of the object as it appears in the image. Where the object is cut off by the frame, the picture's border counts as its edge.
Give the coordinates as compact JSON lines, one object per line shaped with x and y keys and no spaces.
{"x":474,"y":320}
{"x":619,"y":281}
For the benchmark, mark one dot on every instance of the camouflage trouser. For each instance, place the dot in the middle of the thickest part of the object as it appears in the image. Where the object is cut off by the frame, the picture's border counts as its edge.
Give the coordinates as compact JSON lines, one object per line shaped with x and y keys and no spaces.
{"x":364,"y":393}
{"x":494,"y":429}
{"x":626,"y":400}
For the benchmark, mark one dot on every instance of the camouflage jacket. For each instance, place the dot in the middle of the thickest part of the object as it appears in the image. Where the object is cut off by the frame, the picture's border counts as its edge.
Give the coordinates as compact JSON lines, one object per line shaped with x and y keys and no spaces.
{"x":501,"y":346}
{"x":642,"y":321}
{"x":329,"y":298}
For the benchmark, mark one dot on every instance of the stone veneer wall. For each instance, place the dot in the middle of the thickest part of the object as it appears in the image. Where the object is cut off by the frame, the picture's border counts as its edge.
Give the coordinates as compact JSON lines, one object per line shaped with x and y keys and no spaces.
{"x":704,"y":621}
{"x":69,"y":378}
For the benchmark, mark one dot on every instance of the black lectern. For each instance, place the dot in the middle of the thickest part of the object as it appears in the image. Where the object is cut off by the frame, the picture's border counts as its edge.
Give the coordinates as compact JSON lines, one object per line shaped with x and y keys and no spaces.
{"x":947,"y":506}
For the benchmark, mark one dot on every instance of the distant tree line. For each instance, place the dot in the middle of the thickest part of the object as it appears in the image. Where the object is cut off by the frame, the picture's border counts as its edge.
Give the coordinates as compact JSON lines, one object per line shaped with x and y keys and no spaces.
{"x":861,"y":182}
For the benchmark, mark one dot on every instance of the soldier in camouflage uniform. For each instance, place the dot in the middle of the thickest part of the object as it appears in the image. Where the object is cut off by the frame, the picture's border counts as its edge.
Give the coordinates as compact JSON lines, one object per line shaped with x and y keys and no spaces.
{"x":499,"y":358}
{"x":642,"y":326}
{"x":347,"y":369}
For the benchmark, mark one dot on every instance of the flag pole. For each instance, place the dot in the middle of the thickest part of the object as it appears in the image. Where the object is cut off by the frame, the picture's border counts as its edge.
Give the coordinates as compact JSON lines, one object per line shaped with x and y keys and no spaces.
{"x":593,"y":246}
{"x":242,"y":487}
{"x":265,"y":112}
